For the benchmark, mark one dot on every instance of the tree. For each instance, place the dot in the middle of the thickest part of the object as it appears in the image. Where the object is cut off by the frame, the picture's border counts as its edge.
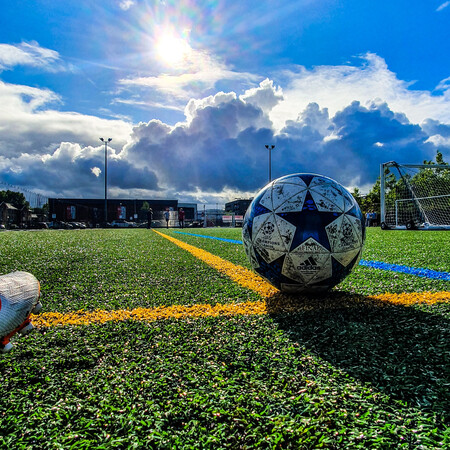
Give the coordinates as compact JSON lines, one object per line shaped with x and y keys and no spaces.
{"x":145,"y":206}
{"x":437,"y":181}
{"x":42,"y":211}
{"x":17,"y":199}
{"x":357,"y":196}
{"x":439,"y":160}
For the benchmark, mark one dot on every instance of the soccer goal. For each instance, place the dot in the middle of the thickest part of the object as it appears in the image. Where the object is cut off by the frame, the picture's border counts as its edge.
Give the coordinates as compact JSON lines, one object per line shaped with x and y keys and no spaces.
{"x":415,"y":196}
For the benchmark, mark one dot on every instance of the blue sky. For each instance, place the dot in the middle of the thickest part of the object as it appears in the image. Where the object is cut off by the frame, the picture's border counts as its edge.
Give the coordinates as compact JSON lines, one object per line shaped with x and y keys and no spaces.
{"x":191,"y":91}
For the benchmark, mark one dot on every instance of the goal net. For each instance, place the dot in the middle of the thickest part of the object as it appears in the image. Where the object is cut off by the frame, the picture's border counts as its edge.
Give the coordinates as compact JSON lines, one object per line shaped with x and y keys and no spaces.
{"x":415,"y":196}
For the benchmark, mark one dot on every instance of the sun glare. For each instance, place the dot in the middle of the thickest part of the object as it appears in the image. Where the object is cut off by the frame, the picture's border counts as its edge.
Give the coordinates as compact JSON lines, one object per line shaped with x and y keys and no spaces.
{"x":171,"y":49}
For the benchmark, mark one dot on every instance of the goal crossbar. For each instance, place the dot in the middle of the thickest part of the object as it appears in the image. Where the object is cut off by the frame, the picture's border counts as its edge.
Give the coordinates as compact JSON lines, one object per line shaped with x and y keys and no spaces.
{"x":421,"y":198}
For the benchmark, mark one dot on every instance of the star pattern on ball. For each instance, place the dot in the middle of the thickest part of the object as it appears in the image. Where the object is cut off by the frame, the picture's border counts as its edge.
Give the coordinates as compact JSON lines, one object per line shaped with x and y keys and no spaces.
{"x":303,"y":232}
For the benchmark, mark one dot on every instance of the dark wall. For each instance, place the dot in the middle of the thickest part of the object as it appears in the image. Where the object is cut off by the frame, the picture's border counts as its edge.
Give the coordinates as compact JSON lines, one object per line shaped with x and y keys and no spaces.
{"x":238,"y":207}
{"x":93,"y":210}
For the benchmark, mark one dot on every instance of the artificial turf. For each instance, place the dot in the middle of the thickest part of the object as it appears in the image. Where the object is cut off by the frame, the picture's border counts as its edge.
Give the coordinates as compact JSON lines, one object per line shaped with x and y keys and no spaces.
{"x":350,"y":372}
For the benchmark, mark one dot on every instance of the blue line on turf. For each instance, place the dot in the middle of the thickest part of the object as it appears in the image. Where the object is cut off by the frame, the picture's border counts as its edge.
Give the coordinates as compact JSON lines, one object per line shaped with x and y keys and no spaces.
{"x":231,"y":241}
{"x":424,"y":273}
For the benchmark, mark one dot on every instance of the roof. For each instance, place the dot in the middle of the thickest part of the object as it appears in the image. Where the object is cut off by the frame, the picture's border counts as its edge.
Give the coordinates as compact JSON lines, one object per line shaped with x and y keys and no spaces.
{"x":8,"y":205}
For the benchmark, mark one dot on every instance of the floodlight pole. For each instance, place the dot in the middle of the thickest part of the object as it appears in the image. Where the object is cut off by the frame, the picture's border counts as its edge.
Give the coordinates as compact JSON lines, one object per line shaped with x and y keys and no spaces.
{"x":106,"y":176}
{"x":270,"y":148}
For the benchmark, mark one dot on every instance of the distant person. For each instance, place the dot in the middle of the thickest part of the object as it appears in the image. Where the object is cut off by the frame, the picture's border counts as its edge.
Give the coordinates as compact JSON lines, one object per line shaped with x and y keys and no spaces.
{"x":368,"y":218}
{"x":181,"y":217}
{"x":167,"y":216}
{"x":374,"y":219}
{"x":149,"y":217}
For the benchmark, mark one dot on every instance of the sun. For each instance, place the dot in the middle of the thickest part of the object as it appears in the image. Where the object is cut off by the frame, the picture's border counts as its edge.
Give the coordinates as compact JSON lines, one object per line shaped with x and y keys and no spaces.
{"x":172,"y":49}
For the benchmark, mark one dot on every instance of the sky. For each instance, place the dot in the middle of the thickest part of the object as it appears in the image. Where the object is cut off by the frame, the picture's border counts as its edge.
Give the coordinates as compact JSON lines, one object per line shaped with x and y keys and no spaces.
{"x":191,"y":92}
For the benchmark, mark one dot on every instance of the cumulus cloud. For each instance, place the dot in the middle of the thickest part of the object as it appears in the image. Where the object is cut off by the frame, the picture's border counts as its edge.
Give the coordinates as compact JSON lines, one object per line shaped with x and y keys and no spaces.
{"x":337,"y":86}
{"x":96,"y":171}
{"x":439,"y":133}
{"x":30,"y":54}
{"x":28,"y":125}
{"x":266,"y":96}
{"x":73,"y":171}
{"x":342,"y":122}
{"x":221,"y":147}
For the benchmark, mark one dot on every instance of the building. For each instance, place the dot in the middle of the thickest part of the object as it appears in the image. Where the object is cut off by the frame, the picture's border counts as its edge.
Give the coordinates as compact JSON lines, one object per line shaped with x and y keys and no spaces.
{"x":12,"y":217}
{"x":238,"y":207}
{"x":190,"y":209}
{"x":92,"y":211}
{"x":9,"y":215}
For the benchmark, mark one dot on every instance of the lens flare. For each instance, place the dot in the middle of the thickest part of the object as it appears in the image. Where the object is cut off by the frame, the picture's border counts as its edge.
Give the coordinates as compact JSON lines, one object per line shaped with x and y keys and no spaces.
{"x":172,"y":49}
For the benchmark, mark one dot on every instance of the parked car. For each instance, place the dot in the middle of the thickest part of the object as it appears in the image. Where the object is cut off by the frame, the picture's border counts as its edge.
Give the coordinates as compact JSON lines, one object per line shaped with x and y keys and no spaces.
{"x":57,"y":225}
{"x":78,"y":224}
{"x":195,"y":224}
{"x":40,"y":225}
{"x":121,"y":223}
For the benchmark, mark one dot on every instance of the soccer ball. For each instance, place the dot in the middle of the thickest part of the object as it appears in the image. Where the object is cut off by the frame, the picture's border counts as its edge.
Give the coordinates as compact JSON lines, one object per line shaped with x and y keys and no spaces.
{"x":303,"y":233}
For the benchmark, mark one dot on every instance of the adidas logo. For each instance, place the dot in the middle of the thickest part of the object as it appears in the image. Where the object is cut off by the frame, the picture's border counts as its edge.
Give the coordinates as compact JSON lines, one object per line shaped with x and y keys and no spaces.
{"x":310,"y":261}
{"x":309,"y":264}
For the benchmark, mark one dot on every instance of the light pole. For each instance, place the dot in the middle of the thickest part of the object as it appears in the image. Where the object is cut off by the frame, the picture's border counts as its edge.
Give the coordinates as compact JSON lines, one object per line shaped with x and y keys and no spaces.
{"x":270,"y":148}
{"x":106,"y":176}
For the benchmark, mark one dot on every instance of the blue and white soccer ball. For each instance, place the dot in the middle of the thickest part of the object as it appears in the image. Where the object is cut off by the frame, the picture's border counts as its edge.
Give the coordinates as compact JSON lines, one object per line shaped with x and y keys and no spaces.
{"x":303,"y":233}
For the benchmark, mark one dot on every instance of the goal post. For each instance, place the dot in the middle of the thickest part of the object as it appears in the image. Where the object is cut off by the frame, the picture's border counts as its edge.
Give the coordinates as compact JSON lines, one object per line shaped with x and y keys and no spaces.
{"x":414,"y":196}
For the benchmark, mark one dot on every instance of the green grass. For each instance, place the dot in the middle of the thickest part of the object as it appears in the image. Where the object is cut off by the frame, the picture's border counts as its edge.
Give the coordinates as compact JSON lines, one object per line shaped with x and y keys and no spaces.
{"x":353,"y":376}
{"x":417,"y":249}
{"x":107,"y":269}
{"x":427,"y":249}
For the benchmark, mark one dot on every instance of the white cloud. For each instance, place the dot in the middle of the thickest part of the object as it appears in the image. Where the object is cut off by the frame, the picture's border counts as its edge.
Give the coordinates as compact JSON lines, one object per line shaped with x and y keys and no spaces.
{"x":335,"y":87}
{"x":439,"y":141}
{"x":220,"y":148}
{"x":198,"y":73}
{"x":126,"y":4}
{"x":28,"y":125}
{"x":342,"y":121}
{"x":442,"y":6}
{"x":211,"y":101}
{"x":266,"y":96}
{"x":30,"y":54}
{"x":148,"y":104}
{"x":96,"y":171}
{"x":444,"y":85}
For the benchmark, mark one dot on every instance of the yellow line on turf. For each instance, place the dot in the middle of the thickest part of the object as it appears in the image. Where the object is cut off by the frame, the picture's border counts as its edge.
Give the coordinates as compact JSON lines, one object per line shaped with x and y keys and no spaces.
{"x":412,"y":298}
{"x":274,"y":302}
{"x":241,"y":275}
{"x":161,"y":312}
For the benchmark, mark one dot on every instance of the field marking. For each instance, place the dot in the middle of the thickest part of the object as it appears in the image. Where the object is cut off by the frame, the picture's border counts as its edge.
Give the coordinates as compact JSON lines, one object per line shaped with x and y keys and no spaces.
{"x":276,"y":304}
{"x":262,"y":287}
{"x":400,"y":268}
{"x":241,"y":275}
{"x":274,"y":301}
{"x":99,"y":316}
{"x":231,"y":241}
